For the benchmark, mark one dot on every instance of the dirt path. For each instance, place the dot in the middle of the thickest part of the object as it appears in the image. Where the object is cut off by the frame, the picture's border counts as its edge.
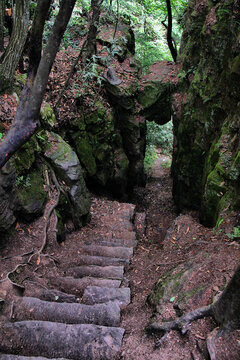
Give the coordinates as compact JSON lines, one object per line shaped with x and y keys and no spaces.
{"x":201,"y":259}
{"x":91,"y":297}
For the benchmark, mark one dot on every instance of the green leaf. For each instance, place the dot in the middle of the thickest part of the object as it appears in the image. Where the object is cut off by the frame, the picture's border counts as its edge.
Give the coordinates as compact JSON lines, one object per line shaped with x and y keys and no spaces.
{"x":172,"y":298}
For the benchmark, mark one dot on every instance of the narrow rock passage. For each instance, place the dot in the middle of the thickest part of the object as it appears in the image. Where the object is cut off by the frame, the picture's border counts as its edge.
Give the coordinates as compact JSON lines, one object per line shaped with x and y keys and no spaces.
{"x":70,"y":307}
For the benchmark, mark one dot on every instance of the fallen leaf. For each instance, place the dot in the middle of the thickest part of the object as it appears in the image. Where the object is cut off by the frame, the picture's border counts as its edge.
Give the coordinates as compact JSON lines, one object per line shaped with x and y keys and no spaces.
{"x":38,"y":260}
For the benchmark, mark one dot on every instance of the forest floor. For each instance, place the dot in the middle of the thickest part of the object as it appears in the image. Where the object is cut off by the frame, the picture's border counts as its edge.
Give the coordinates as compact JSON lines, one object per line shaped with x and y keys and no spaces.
{"x":171,"y":241}
{"x":166,"y":242}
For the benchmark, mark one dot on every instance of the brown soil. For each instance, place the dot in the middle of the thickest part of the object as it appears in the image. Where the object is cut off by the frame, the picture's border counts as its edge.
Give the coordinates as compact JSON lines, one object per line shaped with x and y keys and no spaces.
{"x":167,"y":242}
{"x":162,"y":248}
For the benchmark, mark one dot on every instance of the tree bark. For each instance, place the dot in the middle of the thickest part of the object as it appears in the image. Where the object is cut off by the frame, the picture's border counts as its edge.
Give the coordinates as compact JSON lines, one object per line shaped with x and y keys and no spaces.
{"x":35,"y":46}
{"x":26,"y":120}
{"x":16,"y":44}
{"x":93,"y":28}
{"x":170,"y":41}
{"x":2,"y":10}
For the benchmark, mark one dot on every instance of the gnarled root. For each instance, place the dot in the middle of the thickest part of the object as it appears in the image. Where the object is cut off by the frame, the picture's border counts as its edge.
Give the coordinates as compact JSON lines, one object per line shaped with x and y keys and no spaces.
{"x":181,"y":324}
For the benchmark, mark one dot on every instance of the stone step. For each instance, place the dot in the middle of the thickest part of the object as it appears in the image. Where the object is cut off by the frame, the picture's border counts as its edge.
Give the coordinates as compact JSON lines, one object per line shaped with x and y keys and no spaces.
{"x":77,"y":286}
{"x":29,"y":308}
{"x":95,"y":295}
{"x":105,"y":272}
{"x":114,"y":234}
{"x":57,"y":340}
{"x":108,"y":251}
{"x":100,"y":261}
{"x":49,"y":294}
{"x":116,"y":224}
{"x":17,"y":357}
{"x":112,"y":242}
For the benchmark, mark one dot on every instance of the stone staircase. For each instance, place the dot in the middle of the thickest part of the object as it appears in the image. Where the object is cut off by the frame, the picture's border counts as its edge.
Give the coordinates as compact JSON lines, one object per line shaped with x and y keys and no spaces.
{"x":78,"y":315}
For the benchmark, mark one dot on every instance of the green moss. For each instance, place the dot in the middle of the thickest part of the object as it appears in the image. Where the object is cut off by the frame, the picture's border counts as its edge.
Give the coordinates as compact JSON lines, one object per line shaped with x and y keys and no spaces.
{"x":25,"y":156}
{"x":48,"y":118}
{"x":235,"y":68}
{"x":184,"y":296}
{"x":85,"y":153}
{"x":166,"y":281}
{"x":30,"y":195}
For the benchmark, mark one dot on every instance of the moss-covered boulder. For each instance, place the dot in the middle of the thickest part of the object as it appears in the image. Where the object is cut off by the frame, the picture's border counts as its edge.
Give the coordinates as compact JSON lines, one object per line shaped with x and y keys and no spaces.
{"x":30,"y":196}
{"x":131,"y":126}
{"x":155,"y":93}
{"x":98,"y":143}
{"x":68,"y":170}
{"x":7,"y":181}
{"x":206,"y":119}
{"x":47,"y":117}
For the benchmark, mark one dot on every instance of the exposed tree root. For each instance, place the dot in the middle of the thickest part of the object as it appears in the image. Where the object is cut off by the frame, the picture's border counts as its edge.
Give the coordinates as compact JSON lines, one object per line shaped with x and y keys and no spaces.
{"x":181,"y":324}
{"x":211,"y":343}
{"x":226,"y":311}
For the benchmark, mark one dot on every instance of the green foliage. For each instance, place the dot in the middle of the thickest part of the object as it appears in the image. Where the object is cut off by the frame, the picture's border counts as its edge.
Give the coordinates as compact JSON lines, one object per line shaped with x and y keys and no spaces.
{"x":76,"y":29}
{"x":23,"y":181}
{"x":146,"y":16}
{"x":91,"y":72}
{"x":150,"y":157}
{"x":236,"y":233}
{"x":219,"y":222}
{"x":158,"y":136}
{"x":1,"y":135}
{"x":161,"y":136}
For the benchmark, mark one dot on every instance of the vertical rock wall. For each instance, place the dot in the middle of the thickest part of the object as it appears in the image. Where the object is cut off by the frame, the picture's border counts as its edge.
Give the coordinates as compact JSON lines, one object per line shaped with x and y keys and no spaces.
{"x":206,"y":161}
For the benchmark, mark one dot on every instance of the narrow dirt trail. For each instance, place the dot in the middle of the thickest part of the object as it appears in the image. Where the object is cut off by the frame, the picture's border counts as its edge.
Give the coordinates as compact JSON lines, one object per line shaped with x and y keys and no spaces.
{"x":175,"y":244}
{"x":88,"y":298}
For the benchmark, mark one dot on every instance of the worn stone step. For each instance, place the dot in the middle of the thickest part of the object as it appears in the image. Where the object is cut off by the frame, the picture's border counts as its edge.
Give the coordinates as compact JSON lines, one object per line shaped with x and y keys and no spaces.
{"x":109,"y":234}
{"x":95,"y":295}
{"x":28,"y":308}
{"x":124,"y":234}
{"x":116,"y":224}
{"x":112,"y":242}
{"x":57,"y":340}
{"x":49,"y":294}
{"x":108,"y":251}
{"x":100,"y":260}
{"x":17,"y":357}
{"x":77,"y":286}
{"x":105,"y":272}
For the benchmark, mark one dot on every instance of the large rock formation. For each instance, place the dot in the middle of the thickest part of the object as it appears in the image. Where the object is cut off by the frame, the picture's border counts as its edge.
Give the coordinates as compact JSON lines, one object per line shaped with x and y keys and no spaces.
{"x":206,"y":162}
{"x":23,"y":182}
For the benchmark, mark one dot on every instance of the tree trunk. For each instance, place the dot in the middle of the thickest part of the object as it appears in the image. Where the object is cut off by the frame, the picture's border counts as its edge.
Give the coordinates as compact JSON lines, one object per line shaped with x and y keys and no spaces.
{"x":26,"y":120}
{"x":2,"y":10}
{"x":93,"y":28}
{"x":16,"y":44}
{"x":170,"y":41}
{"x":35,"y":45}
{"x":226,"y":310}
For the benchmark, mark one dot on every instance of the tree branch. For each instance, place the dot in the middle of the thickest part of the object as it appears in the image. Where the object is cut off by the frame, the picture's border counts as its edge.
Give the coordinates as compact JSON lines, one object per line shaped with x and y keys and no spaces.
{"x":170,"y":41}
{"x":26,"y":120}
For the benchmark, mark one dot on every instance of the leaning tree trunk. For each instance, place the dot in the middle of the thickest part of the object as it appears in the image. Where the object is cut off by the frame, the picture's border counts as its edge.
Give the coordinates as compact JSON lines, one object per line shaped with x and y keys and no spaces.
{"x":93,"y":28}
{"x":26,"y":120}
{"x":170,"y":40}
{"x":16,"y":44}
{"x":2,"y":9}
